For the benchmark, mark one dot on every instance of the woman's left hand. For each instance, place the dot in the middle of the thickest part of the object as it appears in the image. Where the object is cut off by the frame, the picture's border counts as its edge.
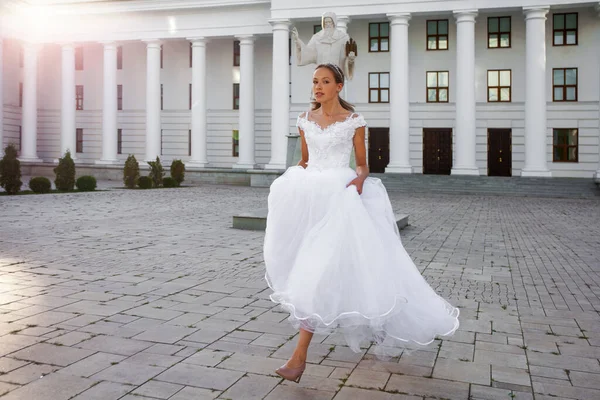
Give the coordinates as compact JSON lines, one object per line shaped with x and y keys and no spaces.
{"x":358,"y":182}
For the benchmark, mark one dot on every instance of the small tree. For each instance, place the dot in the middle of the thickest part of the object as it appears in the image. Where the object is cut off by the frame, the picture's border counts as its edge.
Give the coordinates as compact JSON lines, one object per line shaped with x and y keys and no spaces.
{"x":178,"y":171}
{"x":65,"y":173}
{"x":10,"y":171}
{"x":156,"y":172}
{"x":131,"y":172}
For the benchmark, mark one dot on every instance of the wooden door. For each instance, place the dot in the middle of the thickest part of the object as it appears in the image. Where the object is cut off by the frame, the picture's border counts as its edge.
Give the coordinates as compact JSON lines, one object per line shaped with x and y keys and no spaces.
{"x":499,"y":152}
{"x":437,"y":151}
{"x":379,"y":149}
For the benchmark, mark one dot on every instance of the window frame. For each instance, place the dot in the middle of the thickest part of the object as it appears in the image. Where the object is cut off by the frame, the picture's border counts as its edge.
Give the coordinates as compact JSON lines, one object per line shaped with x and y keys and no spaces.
{"x":119,"y":97}
{"x":317,"y":29}
{"x":565,"y":86}
{"x":379,"y":37}
{"x":565,"y":30}
{"x":78,"y":140}
{"x":379,"y":89}
{"x":437,"y":35}
{"x":237,"y":53}
{"x":191,"y":54}
{"x":499,"y":33}
{"x":236,"y":96}
{"x":79,"y":98}
{"x":119,"y":141}
{"x":21,"y":94}
{"x":161,"y":97}
{"x":235,"y":142}
{"x":79,"y":65}
{"x":190,"y":96}
{"x":119,"y":57}
{"x":189,"y":142}
{"x":565,"y":146}
{"x":161,"y":56}
{"x":499,"y":87}
{"x":437,"y":87}
{"x":20,"y":138}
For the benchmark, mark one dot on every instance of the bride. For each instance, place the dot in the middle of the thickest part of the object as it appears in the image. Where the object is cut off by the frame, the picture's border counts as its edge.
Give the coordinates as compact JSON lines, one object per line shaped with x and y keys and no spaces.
{"x":332,"y":249}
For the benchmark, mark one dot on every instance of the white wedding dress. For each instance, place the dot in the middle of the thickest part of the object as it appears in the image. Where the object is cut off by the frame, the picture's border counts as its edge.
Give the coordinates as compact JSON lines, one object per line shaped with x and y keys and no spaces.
{"x":334,"y":258}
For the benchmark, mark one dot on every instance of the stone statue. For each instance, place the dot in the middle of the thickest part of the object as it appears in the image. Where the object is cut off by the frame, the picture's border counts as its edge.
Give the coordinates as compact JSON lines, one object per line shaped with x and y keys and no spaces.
{"x":330,"y":45}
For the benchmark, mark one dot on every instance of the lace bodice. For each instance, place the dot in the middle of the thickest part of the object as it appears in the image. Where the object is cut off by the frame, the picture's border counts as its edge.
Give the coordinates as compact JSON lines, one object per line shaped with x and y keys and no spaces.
{"x":330,"y":147}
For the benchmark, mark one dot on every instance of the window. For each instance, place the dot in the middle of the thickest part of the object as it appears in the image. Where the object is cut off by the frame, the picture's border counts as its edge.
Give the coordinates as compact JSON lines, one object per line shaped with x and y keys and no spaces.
{"x":119,"y":141}
{"x":119,"y":97}
{"x":379,"y":87}
{"x":161,"y":56}
{"x":20,"y":138}
{"x":236,"y":96}
{"x":437,"y":86}
{"x":20,"y":94}
{"x":437,"y":34}
{"x":191,"y":55}
{"x":565,"y":145}
{"x":290,"y":50}
{"x":564,"y":29}
{"x":120,"y":57}
{"x":317,"y":29}
{"x":379,"y":37}
{"x":499,"y":85}
{"x":236,"y":53}
{"x":498,"y":32}
{"x":564,"y":84}
{"x":190,"y":95}
{"x":79,"y":58}
{"x":79,"y":140}
{"x":236,"y":143}
{"x":161,"y":96}
{"x":161,"y":142}
{"x":79,"y":97}
{"x":21,"y":56}
{"x":189,"y":142}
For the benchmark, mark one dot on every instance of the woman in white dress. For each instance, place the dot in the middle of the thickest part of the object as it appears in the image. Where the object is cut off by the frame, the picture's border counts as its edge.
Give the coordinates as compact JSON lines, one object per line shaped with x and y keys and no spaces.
{"x":332,"y":249}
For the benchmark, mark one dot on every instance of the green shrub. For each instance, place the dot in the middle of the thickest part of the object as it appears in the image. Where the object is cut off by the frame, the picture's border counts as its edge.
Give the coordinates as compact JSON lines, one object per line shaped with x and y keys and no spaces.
{"x":40,"y":184}
{"x":156,"y":172}
{"x":10,"y":171}
{"x":86,"y":183}
{"x":131,"y":172}
{"x":145,"y":182}
{"x":65,"y":173}
{"x":169,"y":182}
{"x":178,"y":171}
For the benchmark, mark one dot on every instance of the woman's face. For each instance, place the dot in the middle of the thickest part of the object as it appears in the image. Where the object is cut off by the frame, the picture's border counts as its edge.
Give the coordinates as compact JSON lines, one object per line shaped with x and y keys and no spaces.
{"x":324,"y":86}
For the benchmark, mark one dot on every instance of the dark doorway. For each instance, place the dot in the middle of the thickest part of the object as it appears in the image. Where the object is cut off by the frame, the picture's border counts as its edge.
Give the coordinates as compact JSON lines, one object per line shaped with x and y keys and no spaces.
{"x":499,"y":152}
{"x":437,"y":151}
{"x":379,"y":149}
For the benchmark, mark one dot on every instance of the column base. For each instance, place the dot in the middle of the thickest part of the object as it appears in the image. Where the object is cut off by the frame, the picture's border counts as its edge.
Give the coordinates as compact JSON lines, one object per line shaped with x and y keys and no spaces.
{"x":244,"y":166}
{"x":276,"y":167}
{"x":107,"y":162}
{"x":399,"y":169}
{"x":472,"y":171}
{"x":536,"y":173}
{"x":597,"y":176}
{"x":197,"y":164}
{"x":30,"y":160}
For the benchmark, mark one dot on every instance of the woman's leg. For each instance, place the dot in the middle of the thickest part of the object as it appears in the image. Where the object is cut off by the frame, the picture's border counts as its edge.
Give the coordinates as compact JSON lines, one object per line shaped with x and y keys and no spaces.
{"x":300,"y":353}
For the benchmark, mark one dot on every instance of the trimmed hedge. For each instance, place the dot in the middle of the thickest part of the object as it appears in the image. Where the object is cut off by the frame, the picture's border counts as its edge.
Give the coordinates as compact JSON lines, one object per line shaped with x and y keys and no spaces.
{"x":169,"y":182}
{"x":131,"y":172}
{"x":86,"y":183}
{"x":10,"y":171}
{"x":145,"y":182}
{"x":178,"y":171}
{"x":65,"y":173}
{"x":40,"y":184}
{"x":156,"y":172}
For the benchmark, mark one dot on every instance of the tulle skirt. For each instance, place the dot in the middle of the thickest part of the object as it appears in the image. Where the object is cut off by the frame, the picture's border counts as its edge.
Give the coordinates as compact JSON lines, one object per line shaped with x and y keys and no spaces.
{"x":335,"y":262}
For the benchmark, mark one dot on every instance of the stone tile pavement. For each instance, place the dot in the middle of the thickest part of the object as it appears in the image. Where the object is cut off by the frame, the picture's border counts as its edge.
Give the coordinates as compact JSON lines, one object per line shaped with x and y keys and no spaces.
{"x":151,"y":295}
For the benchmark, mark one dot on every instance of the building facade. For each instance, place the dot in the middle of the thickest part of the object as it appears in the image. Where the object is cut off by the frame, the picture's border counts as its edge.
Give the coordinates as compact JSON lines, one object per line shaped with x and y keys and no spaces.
{"x":474,"y":87}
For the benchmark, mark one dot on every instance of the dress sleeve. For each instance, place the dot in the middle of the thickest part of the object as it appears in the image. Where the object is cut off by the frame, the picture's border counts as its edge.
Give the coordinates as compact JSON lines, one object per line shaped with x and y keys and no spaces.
{"x":358,"y":121}
{"x":300,"y":120}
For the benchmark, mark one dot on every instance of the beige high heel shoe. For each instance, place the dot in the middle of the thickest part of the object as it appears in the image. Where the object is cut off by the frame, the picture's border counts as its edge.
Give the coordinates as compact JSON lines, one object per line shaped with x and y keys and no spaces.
{"x":291,"y":374}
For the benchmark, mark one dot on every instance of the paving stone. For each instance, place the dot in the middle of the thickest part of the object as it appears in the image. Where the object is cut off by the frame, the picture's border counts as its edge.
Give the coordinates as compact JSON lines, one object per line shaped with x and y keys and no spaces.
{"x":156,"y":360}
{"x":462,"y":371}
{"x":490,"y":393}
{"x":298,"y":393}
{"x":192,"y":393}
{"x":583,"y":379}
{"x":161,"y":390}
{"x":513,"y":376}
{"x":128,"y":373}
{"x":54,"y":386}
{"x":199,"y":376}
{"x":500,"y":359}
{"x":115,"y":345}
{"x":92,"y":365}
{"x":51,"y":354}
{"x":70,"y":339}
{"x":566,"y":362}
{"x":209,"y":358}
{"x":396,"y":368}
{"x":251,"y":387}
{"x":9,"y":364}
{"x":28,"y":373}
{"x":428,"y":387}
{"x":570,"y":392}
{"x":165,"y":334}
{"x":105,"y":391}
{"x":348,"y":393}
{"x":367,"y":379}
{"x":7,"y":387}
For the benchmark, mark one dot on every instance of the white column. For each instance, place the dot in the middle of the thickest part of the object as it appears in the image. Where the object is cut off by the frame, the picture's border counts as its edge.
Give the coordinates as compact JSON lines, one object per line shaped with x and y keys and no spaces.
{"x":535,"y":93}
{"x":109,"y":106}
{"x":246,"y":115}
{"x":68,"y":140}
{"x":399,"y":96}
{"x":342,"y":23}
{"x":153,"y":111}
{"x":1,"y":100}
{"x":464,"y":162}
{"x":199,"y":157}
{"x":29,"y":111}
{"x":597,"y":174}
{"x":280,"y":95}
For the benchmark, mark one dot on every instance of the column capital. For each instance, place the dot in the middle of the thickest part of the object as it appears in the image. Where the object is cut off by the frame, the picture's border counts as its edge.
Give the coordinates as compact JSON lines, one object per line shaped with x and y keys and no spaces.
{"x":152,"y":43}
{"x":280,"y":24}
{"x":198,"y":41}
{"x":465,"y":15}
{"x":536,"y":12}
{"x":67,"y":45}
{"x":109,"y":44}
{"x":343,"y":20}
{"x":245,"y":39}
{"x":399,"y":18}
